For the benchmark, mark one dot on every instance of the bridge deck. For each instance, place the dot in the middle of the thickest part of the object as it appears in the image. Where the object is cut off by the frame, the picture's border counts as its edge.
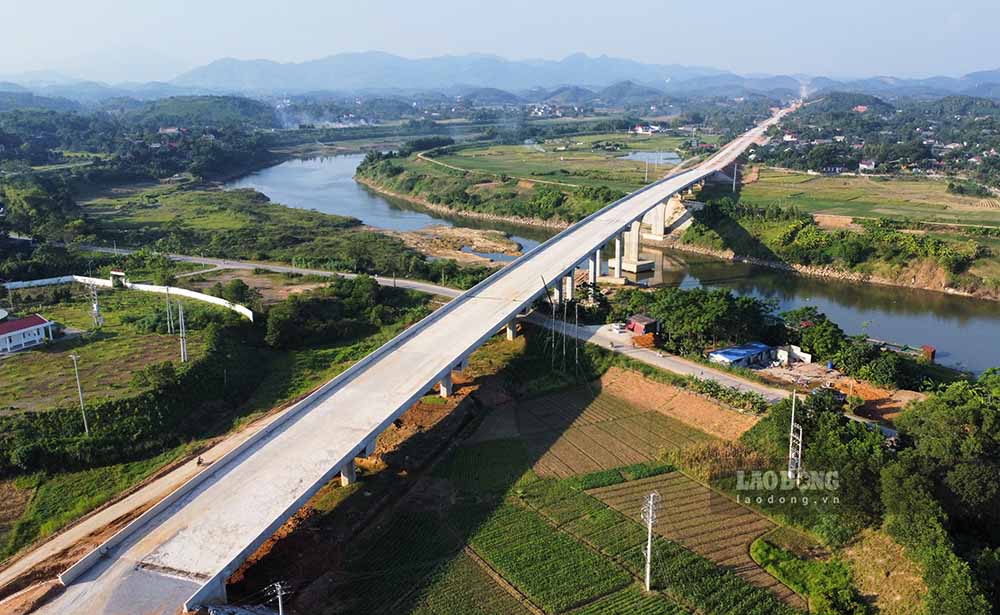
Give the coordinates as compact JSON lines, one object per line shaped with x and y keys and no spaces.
{"x":201,"y":538}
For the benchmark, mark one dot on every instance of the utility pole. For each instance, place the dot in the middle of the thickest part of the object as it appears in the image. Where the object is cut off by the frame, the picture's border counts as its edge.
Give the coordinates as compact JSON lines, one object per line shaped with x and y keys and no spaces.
{"x":649,"y":516}
{"x":95,"y":308}
{"x":553,"y":333}
{"x":170,"y":316}
{"x":576,"y":340}
{"x":794,"y":446}
{"x":278,"y":591}
{"x":183,"y":332}
{"x":564,"y":324}
{"x":79,"y":391}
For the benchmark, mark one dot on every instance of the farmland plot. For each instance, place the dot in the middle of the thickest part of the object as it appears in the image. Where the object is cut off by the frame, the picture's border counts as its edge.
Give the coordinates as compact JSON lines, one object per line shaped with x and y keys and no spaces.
{"x":575,"y":432}
{"x":463,"y":587}
{"x":680,"y":574}
{"x":553,"y":570}
{"x":702,"y":520}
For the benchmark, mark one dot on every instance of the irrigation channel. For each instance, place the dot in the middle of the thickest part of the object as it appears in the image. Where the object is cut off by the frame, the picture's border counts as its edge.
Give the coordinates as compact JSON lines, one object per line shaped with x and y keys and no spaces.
{"x":965,"y":332}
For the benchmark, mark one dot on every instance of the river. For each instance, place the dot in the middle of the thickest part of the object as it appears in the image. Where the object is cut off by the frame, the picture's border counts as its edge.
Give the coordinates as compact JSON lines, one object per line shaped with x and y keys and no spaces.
{"x":965,"y":332}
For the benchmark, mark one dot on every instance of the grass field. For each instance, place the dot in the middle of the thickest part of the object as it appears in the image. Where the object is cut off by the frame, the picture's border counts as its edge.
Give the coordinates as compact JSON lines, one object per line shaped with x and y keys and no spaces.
{"x":56,"y":500}
{"x":920,"y":199}
{"x":578,"y":160}
{"x":208,"y":210}
{"x":42,"y":377}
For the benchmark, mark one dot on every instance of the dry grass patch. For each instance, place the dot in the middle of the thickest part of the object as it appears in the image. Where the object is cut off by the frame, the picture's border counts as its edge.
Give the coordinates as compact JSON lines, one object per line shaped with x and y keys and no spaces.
{"x":884,"y":575}
{"x":691,"y":409}
{"x":711,"y":460}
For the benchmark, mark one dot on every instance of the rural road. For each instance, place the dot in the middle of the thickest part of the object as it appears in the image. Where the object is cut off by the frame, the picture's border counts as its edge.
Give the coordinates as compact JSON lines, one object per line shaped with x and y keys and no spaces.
{"x":603,"y":336}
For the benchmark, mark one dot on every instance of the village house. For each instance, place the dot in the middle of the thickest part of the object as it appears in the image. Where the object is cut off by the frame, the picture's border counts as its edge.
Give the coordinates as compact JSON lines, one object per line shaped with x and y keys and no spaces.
{"x":866,"y":165}
{"x":24,"y":333}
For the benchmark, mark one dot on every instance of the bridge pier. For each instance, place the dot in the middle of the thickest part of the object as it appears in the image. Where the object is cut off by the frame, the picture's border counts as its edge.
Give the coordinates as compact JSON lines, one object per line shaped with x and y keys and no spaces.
{"x":656,"y":218}
{"x":446,"y":386}
{"x":593,"y":271}
{"x":631,"y":262}
{"x":348,"y":474}
{"x":568,"y":287}
{"x":511,"y":329}
{"x":617,"y":263}
{"x":463,"y":364}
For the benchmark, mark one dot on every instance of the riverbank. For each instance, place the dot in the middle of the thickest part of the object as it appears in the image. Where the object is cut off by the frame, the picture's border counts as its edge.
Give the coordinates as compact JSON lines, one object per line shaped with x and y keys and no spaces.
{"x":555,"y":225}
{"x":919,"y":278}
{"x":917,"y":274}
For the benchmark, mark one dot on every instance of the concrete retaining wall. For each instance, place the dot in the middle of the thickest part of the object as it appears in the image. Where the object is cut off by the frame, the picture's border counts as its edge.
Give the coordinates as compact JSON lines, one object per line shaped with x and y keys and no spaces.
{"x":149,"y":288}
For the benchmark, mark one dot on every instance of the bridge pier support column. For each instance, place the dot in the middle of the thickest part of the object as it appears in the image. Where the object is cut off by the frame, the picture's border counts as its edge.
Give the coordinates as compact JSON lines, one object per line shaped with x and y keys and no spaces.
{"x":568,"y":284}
{"x":618,"y":256}
{"x":446,"y":386}
{"x":511,"y":330}
{"x":463,"y":364}
{"x":348,"y":475}
{"x":593,"y":270}
{"x":658,"y":220}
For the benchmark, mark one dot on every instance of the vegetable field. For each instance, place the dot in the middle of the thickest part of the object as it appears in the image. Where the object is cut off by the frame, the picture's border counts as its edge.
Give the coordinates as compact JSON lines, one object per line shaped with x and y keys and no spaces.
{"x":702,"y":520}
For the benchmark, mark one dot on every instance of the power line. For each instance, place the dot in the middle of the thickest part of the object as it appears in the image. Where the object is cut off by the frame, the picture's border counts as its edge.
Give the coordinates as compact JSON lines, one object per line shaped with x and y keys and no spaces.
{"x":170,"y":316}
{"x":564,"y":324}
{"x":183,"y":332}
{"x":79,"y":390}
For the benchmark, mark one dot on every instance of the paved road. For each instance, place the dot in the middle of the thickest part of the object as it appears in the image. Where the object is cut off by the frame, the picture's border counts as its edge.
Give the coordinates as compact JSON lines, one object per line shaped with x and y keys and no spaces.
{"x":603,"y":336}
{"x":201,"y":537}
{"x":225,"y":263}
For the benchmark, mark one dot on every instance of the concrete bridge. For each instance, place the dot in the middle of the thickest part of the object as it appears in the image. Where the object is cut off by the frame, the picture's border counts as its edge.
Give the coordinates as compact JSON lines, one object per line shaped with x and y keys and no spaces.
{"x":183,"y":550}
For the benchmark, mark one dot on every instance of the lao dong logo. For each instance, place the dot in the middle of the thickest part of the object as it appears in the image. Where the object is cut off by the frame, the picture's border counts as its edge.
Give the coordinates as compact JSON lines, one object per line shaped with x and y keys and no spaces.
{"x":779,"y":488}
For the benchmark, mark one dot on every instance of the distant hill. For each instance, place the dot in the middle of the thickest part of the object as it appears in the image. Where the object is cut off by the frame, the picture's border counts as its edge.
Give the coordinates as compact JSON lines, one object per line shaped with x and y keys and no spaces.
{"x":11,"y":101}
{"x":199,"y":111}
{"x":845,"y":102}
{"x":730,"y":85}
{"x":490,"y":96}
{"x":628,"y":93}
{"x":570,"y":95}
{"x":354,"y":71}
{"x":575,"y":79}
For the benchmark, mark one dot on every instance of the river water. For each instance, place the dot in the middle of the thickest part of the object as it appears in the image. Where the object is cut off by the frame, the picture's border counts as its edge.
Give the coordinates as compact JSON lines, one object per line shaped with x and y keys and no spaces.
{"x":965,"y":332}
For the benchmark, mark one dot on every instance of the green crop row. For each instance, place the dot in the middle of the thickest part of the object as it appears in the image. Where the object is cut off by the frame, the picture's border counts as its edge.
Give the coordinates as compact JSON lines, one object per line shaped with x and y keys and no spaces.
{"x":555,"y":571}
{"x":683,"y":575}
{"x":631,"y":601}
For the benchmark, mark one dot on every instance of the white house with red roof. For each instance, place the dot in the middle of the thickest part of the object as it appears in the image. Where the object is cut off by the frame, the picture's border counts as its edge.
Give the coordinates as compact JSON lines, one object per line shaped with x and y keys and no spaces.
{"x":24,"y":332}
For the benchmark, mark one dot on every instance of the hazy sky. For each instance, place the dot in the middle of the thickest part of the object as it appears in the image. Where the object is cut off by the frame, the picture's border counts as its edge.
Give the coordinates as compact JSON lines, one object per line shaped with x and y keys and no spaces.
{"x":115,"y":40}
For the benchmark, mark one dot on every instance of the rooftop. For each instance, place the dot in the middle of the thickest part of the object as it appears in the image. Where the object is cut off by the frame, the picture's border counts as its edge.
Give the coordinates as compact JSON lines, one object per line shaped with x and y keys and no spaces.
{"x":742,"y":351}
{"x":20,"y":324}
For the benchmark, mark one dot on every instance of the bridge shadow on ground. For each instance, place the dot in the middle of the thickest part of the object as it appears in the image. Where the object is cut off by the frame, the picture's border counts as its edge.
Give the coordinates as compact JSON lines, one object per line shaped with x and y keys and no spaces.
{"x":482,"y":505}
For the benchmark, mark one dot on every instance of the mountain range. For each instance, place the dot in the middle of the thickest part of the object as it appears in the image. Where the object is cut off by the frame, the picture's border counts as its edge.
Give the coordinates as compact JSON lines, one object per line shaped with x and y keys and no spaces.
{"x":486,"y":79}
